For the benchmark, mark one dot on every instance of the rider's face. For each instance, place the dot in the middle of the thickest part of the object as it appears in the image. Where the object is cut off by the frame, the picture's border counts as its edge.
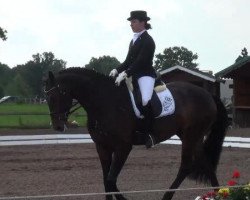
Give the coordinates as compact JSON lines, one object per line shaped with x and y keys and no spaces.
{"x":137,"y":25}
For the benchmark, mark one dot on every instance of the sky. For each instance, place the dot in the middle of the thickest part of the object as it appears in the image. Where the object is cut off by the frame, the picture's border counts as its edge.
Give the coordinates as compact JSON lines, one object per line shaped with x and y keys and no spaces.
{"x":77,"y":30}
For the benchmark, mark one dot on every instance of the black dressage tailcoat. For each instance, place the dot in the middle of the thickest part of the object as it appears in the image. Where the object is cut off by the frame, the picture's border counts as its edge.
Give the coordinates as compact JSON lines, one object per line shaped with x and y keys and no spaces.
{"x":139,"y":60}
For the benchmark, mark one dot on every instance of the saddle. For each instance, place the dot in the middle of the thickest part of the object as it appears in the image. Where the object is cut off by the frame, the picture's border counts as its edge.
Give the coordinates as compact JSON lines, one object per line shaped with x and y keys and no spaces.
{"x":162,"y":102}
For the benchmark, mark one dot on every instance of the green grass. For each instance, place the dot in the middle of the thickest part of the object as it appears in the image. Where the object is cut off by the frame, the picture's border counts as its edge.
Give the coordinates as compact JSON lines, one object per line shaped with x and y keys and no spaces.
{"x":24,"y":116}
{"x":16,"y":108}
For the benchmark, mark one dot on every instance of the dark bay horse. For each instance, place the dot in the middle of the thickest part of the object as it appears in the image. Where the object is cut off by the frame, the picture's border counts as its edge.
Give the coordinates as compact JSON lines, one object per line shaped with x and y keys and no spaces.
{"x":199,"y":120}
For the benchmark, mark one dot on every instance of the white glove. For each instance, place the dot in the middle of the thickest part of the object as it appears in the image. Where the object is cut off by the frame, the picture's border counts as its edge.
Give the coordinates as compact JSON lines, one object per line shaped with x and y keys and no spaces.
{"x":113,"y":73}
{"x":120,"y":78}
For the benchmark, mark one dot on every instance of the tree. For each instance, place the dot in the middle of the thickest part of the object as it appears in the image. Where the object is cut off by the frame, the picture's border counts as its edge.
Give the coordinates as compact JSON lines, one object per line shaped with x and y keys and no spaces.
{"x":1,"y":92}
{"x":3,"y":68}
{"x":103,"y":64}
{"x":5,"y":77}
{"x":3,"y":34}
{"x":5,"y":74}
{"x":48,"y":62}
{"x":18,"y":87}
{"x":173,"y":56}
{"x":244,"y":54}
{"x":33,"y":71}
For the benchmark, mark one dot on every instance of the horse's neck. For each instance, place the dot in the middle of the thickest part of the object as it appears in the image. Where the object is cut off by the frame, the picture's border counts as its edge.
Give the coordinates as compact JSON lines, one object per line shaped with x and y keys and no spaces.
{"x":94,"y":97}
{"x":103,"y":103}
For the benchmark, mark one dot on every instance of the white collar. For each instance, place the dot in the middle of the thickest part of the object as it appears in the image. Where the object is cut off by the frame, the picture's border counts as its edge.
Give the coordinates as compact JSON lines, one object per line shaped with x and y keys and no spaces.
{"x":137,"y":35}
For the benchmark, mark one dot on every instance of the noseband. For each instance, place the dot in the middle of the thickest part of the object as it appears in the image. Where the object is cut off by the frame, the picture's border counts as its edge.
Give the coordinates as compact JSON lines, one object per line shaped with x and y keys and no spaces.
{"x":61,"y":115}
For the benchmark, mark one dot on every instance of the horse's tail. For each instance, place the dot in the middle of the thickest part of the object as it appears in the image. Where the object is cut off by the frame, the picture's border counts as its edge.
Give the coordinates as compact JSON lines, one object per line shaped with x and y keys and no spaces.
{"x":212,"y":146}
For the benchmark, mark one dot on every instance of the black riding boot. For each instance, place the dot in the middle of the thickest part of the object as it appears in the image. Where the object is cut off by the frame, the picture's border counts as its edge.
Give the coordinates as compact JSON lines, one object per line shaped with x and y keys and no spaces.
{"x":148,"y":123}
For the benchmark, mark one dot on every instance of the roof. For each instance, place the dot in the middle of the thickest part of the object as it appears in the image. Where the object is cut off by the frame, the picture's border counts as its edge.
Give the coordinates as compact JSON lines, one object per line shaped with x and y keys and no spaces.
{"x":241,"y":62}
{"x":194,"y":72}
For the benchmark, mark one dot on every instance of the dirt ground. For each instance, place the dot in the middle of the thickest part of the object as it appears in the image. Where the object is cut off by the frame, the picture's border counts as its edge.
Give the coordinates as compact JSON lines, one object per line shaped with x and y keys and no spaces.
{"x":74,"y":169}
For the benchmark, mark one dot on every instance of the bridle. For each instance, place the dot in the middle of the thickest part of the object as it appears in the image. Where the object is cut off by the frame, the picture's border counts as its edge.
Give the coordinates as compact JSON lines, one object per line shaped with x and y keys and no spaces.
{"x":64,"y":114}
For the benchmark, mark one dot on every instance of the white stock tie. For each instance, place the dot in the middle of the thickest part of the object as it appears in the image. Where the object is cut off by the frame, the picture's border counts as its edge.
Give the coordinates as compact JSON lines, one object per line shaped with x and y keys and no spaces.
{"x":136,"y":35}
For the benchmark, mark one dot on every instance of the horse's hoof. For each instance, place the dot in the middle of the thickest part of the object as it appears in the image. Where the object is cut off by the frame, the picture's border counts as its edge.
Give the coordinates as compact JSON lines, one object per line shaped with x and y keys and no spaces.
{"x":109,"y":197}
{"x":168,"y":196}
{"x":120,"y":197}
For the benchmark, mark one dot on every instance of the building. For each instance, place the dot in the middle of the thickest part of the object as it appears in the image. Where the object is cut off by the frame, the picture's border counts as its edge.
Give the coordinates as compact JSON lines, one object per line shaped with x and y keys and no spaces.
{"x":240,"y":73}
{"x":226,"y":91}
{"x":202,"y":79}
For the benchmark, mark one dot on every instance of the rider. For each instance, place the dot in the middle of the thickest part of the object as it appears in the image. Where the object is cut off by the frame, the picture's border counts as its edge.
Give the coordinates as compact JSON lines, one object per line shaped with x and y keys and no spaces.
{"x":138,"y":65}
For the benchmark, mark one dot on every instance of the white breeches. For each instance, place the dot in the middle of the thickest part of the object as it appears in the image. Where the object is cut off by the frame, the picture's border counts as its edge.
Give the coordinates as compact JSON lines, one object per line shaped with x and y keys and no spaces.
{"x":146,"y":85}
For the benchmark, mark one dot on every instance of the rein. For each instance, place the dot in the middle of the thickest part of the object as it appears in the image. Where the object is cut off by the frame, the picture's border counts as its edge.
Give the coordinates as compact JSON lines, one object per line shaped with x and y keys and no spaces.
{"x":75,"y":109}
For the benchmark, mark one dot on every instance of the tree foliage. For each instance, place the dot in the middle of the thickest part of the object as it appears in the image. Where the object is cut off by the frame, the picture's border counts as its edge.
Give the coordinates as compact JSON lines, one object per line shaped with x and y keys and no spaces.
{"x":173,"y":56}
{"x":5,"y":74}
{"x":27,"y":79}
{"x":5,"y":77}
{"x":47,"y":62}
{"x":18,"y":87}
{"x":34,"y":70}
{"x":103,"y":64}
{"x":1,"y":92}
{"x":244,"y":53}
{"x":3,"y":33}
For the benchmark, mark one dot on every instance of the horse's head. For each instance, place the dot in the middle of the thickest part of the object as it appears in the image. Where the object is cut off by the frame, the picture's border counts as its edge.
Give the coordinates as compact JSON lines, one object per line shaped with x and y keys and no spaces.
{"x":59,"y":101}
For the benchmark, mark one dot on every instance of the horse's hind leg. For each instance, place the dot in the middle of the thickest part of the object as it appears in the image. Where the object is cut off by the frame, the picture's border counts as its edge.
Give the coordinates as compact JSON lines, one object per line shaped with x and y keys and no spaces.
{"x":182,"y":174}
{"x":184,"y":170}
{"x":213,"y":178}
{"x":214,"y":181}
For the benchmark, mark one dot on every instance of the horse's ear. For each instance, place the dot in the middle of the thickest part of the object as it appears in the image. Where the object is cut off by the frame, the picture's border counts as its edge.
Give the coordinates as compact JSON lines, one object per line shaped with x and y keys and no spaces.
{"x":51,"y":77}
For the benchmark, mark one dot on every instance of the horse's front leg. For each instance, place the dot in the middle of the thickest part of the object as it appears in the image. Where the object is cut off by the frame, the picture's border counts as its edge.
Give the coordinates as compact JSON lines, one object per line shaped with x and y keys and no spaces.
{"x":119,"y":158}
{"x":105,"y":156}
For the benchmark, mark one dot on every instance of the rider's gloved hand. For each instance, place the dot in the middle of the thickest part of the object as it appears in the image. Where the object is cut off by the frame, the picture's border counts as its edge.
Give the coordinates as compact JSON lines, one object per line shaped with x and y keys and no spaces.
{"x":113,"y":73}
{"x":120,"y":78}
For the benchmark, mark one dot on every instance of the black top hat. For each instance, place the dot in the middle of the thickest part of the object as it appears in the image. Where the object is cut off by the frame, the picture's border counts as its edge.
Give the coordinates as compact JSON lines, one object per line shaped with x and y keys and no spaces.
{"x":138,"y":14}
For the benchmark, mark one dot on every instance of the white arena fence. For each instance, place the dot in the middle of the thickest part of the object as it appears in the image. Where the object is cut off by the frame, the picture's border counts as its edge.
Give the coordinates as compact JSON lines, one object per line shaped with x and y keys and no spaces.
{"x":113,"y":193}
{"x":239,"y":142}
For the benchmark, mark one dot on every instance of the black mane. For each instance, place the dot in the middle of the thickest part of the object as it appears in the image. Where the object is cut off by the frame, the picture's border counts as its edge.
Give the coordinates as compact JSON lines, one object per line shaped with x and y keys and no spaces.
{"x":80,"y":71}
{"x":99,"y":81}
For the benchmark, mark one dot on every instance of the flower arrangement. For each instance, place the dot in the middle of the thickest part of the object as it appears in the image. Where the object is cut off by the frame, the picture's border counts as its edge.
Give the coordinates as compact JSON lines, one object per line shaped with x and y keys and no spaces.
{"x":233,"y":192}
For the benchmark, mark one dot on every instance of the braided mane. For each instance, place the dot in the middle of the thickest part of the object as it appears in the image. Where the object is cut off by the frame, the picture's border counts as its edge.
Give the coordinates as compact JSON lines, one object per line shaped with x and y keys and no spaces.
{"x":80,"y":71}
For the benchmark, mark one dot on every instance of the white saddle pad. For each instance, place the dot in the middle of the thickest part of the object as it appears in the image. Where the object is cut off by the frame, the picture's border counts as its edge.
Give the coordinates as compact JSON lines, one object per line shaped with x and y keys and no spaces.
{"x":167,"y":102}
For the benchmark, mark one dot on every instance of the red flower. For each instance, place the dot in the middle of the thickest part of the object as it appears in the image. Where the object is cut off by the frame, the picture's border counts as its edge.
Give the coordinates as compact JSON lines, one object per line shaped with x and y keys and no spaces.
{"x":211,"y":194}
{"x":236,"y":174}
{"x":231,"y":183}
{"x":225,"y":195}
